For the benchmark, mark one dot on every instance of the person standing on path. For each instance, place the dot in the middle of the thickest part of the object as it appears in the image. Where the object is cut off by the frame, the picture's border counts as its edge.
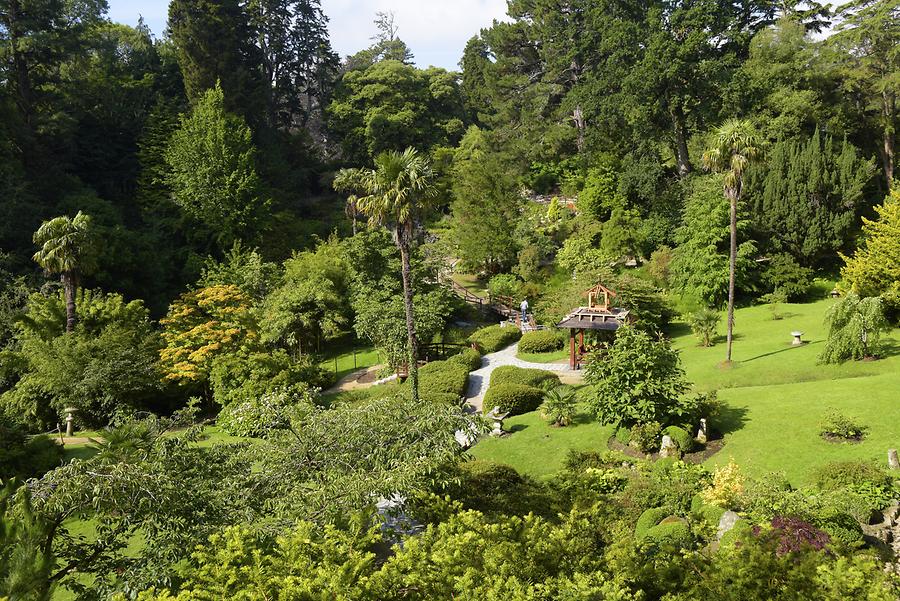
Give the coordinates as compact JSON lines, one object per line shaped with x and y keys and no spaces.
{"x":524,"y":308}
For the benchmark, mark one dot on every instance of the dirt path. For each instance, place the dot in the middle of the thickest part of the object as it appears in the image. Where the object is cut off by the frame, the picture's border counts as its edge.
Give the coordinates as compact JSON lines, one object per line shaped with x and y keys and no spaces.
{"x":361,"y":378}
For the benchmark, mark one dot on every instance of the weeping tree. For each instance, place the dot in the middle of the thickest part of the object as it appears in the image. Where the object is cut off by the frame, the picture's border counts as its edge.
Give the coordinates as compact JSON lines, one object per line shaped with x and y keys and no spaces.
{"x":395,"y":194}
{"x":736,"y":145}
{"x":68,"y":248}
{"x":855,"y":325}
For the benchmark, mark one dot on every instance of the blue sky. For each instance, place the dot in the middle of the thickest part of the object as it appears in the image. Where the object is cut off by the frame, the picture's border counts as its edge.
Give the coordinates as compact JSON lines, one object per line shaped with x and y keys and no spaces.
{"x":435,"y":30}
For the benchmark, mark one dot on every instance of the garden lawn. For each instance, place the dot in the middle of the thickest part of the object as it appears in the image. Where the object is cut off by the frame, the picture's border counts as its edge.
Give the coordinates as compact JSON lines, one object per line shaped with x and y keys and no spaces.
{"x":775,"y":394}
{"x":537,"y":449}
{"x":347,"y":360}
{"x":560,"y":356}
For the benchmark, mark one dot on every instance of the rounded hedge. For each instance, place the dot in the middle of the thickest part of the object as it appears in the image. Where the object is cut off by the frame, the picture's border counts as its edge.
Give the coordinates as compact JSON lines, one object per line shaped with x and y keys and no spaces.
{"x":448,"y":377}
{"x":711,"y":514}
{"x":541,"y":341}
{"x":513,"y":398}
{"x":680,"y":437}
{"x":741,"y":531}
{"x":536,"y":378}
{"x":468,"y":358}
{"x":673,"y":534}
{"x":494,"y":338}
{"x":648,"y":520}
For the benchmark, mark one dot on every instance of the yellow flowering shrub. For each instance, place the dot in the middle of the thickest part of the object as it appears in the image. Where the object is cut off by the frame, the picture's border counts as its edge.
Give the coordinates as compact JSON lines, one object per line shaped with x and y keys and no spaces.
{"x":727,"y":486}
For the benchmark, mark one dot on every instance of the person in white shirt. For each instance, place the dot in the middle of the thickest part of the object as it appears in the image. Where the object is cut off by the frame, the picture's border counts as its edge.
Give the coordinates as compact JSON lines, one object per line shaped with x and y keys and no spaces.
{"x":524,"y":308}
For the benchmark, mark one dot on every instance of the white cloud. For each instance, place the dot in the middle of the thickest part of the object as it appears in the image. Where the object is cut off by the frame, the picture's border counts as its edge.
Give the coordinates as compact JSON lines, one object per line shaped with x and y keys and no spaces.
{"x":435,"y":30}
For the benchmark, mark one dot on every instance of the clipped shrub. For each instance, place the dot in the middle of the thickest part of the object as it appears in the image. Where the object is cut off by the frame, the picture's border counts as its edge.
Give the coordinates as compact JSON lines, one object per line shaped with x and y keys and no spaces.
{"x":680,"y":437}
{"x":646,"y":436}
{"x":492,"y":487}
{"x":494,"y":338}
{"x":469,"y":358}
{"x":514,"y":398}
{"x":623,"y":435}
{"x":649,"y":519}
{"x":447,"y":377}
{"x":837,"y":425}
{"x":842,"y":527}
{"x":673,"y":534}
{"x":541,"y":341}
{"x":536,"y":378}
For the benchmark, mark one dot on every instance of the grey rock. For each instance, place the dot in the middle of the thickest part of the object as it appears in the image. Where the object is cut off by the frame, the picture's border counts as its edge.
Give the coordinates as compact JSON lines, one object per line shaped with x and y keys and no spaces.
{"x":726,"y":523}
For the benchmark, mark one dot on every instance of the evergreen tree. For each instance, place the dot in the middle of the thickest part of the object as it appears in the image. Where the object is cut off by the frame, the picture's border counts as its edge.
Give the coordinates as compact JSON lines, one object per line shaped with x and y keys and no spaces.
{"x":485,"y":207}
{"x":875,"y":268}
{"x":806,"y":196}
{"x":213,"y":178}
{"x":215,"y":45}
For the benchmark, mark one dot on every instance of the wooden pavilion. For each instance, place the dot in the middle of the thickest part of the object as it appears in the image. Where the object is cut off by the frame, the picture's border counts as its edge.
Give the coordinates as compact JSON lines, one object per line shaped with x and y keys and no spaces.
{"x":599,"y":314}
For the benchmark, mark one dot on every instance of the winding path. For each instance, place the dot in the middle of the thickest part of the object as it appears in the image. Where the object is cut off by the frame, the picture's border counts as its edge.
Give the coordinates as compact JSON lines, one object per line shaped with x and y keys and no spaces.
{"x":479,"y":379}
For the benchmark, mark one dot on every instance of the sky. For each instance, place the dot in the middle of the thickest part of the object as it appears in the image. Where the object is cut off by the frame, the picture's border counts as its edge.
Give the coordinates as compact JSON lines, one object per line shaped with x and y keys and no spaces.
{"x":435,"y":30}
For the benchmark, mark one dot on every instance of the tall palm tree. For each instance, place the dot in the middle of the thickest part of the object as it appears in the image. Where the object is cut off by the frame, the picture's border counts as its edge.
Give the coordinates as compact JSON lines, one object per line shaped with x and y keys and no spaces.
{"x":66,"y":248}
{"x":394,"y":194}
{"x":348,"y":182}
{"x":736,"y":145}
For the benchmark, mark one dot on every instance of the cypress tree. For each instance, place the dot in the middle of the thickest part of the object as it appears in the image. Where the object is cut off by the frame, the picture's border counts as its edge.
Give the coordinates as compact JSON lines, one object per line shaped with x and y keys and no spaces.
{"x":807,"y":197}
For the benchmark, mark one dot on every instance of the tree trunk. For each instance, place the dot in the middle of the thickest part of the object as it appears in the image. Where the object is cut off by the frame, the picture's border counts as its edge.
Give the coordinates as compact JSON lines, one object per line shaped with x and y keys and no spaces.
{"x":682,"y":157}
{"x":887,"y":151}
{"x":732,"y":195}
{"x":68,"y":283}
{"x":413,"y":356}
{"x":578,"y":118}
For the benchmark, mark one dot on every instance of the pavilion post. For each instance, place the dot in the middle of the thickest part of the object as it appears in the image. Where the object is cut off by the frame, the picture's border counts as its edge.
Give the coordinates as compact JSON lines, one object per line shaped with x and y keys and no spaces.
{"x":572,"y":349}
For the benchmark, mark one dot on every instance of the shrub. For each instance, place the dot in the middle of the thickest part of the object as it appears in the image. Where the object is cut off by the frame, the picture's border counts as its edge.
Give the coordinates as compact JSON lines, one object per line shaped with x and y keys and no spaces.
{"x":514,"y":398}
{"x":727,"y":486}
{"x":673,"y":534}
{"x":446,"y":398}
{"x":492,"y":487}
{"x":842,"y":527}
{"x":469,"y":358}
{"x":646,"y":436}
{"x":659,"y":264}
{"x":704,"y":324}
{"x":638,"y":379}
{"x":742,"y":531}
{"x":536,"y":378}
{"x":840,"y":474}
{"x":23,"y":457}
{"x":854,"y":327}
{"x":494,"y":338}
{"x":680,"y":437}
{"x":623,"y":435}
{"x":649,"y":519}
{"x":560,"y":405}
{"x":784,"y":275}
{"x":541,"y":341}
{"x":794,"y":534}
{"x":836,"y":424}
{"x":448,"y":377}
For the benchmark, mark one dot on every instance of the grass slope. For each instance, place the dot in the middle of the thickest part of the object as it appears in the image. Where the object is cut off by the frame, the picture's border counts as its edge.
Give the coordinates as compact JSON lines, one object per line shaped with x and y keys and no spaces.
{"x":776,"y":395}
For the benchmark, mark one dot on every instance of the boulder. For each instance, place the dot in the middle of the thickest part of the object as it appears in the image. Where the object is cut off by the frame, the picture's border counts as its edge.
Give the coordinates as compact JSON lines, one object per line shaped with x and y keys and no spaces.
{"x":726,"y":523}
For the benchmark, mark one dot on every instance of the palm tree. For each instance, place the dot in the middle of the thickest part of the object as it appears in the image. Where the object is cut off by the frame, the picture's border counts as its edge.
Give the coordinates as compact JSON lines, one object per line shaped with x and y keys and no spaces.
{"x":394,"y":194}
{"x":66,"y":248}
{"x":736,"y":145}
{"x":348,"y":182}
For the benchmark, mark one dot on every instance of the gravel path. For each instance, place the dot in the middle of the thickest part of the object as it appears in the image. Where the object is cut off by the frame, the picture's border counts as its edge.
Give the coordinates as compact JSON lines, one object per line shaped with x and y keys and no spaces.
{"x":479,"y":379}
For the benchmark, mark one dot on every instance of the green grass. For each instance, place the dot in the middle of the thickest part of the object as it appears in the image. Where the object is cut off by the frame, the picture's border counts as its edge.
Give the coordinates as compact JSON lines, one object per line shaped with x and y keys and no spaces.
{"x":551,"y":357}
{"x":775,"y":395}
{"x":345,"y":361}
{"x":535,"y":448}
{"x":471,"y":283}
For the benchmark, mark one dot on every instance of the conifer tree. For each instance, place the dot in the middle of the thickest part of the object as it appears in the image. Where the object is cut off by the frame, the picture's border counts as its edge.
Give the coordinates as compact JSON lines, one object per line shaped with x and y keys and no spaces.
{"x":875,"y":268}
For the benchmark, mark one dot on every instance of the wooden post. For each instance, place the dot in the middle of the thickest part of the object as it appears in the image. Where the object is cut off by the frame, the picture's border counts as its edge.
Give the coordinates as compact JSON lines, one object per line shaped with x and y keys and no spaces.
{"x":572,"y":349}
